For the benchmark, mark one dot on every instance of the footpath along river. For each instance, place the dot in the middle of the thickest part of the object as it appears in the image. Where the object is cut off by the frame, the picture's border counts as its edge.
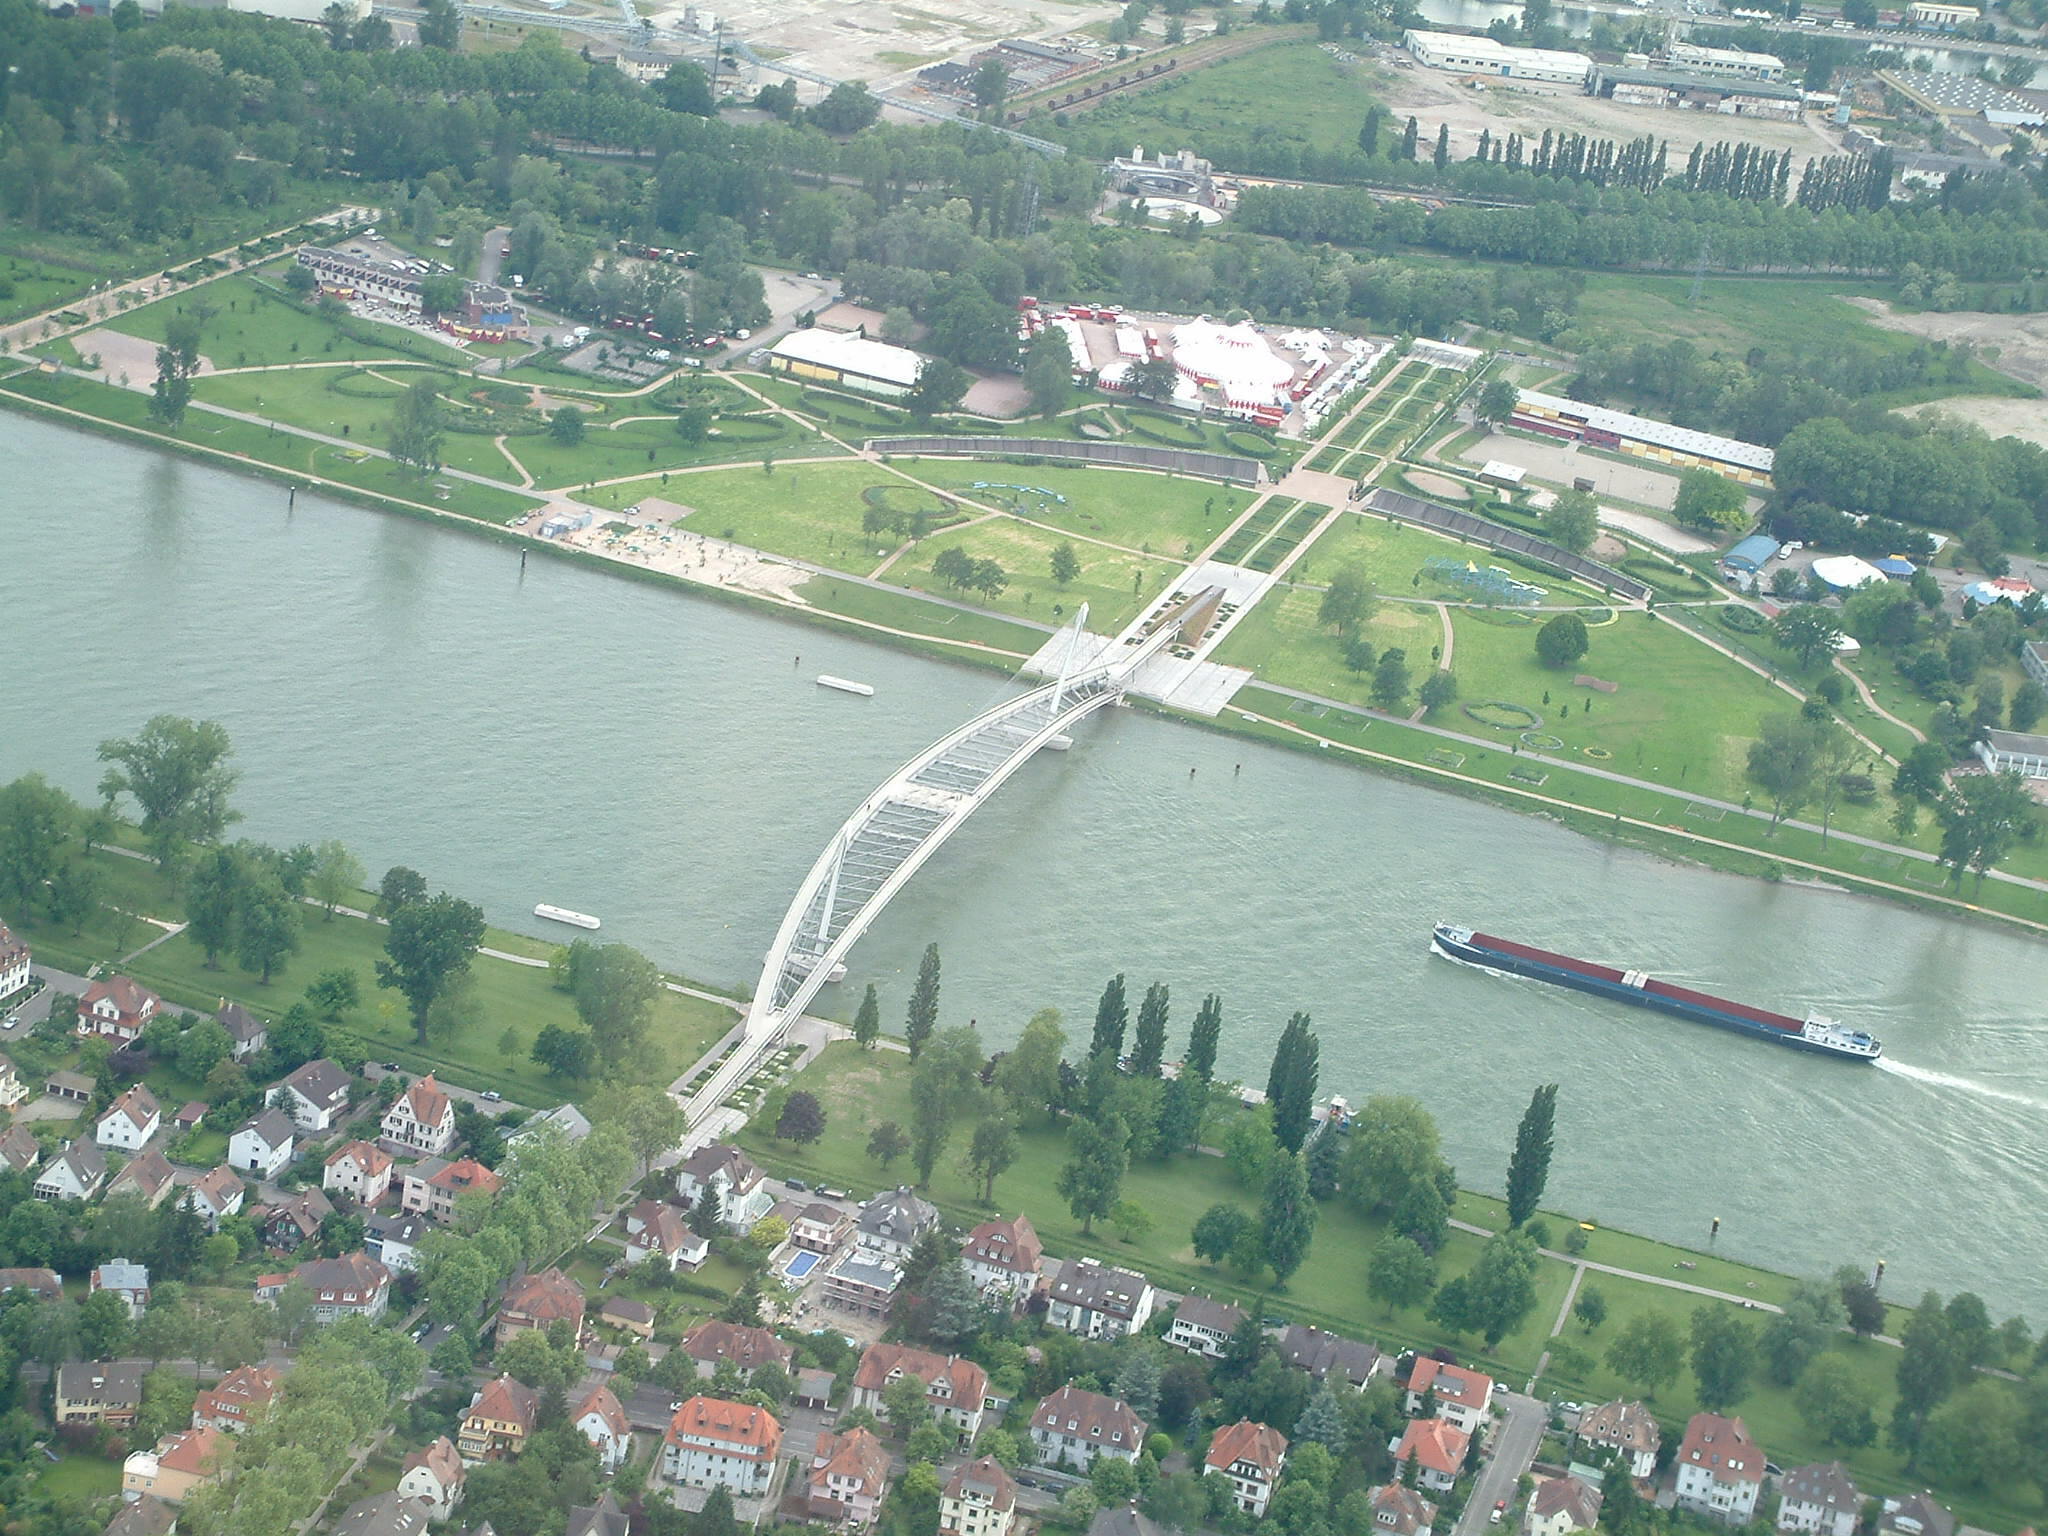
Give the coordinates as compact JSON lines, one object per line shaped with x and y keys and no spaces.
{"x":667,"y":762}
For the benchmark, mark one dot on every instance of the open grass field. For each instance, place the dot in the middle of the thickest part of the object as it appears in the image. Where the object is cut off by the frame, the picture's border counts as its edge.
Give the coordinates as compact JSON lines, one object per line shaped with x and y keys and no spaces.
{"x":807,"y":511}
{"x":79,"y":1476}
{"x":907,"y":611}
{"x":652,"y":445}
{"x":1113,"y":585}
{"x":1282,"y":642}
{"x":251,"y":327}
{"x":1153,"y":514}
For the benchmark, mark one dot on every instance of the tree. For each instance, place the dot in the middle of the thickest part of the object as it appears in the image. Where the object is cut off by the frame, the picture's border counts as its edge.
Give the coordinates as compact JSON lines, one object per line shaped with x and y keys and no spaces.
{"x":1529,"y":1167}
{"x":1094,"y":1173}
{"x":1348,"y":601}
{"x":1112,"y":1018}
{"x":707,"y":1216}
{"x":615,"y":987}
{"x":887,"y":1142}
{"x":427,"y":947}
{"x":1287,"y":1217}
{"x":1438,"y":689}
{"x":1399,"y":1273}
{"x":1982,"y":1439}
{"x":176,"y":771}
{"x":991,"y":83}
{"x":923,"y":1015}
{"x":1442,"y":156}
{"x":1835,"y":1403}
{"x":1930,"y":1368}
{"x":1981,"y":819}
{"x":441,"y":292}
{"x":400,"y":887}
{"x":1809,"y":631}
{"x":1028,"y":1074}
{"x":1217,"y":1231}
{"x":202,"y":1048}
{"x":1390,"y":677}
{"x":103,"y":1325}
{"x":2029,"y":703}
{"x":1562,"y":640}
{"x":213,"y":895}
{"x":337,"y":874}
{"x":1131,"y":1220}
{"x":846,"y":109}
{"x":565,"y":427}
{"x":1324,"y":1159}
{"x":1710,"y":502}
{"x":693,"y":423}
{"x":177,"y":361}
{"x":36,"y":820}
{"x":1066,"y":565}
{"x":802,"y":1120}
{"x":266,"y":927}
{"x":945,"y":1078}
{"x":1723,"y":1355}
{"x":1148,"y":1044}
{"x":941,"y":385}
{"x":440,"y":25}
{"x":1860,"y":1301}
{"x":1395,"y":1168}
{"x":1648,"y":1351}
{"x":1590,"y":1307}
{"x":686,"y":88}
{"x":1784,"y":762}
{"x":1813,"y":1314}
{"x":416,"y":428}
{"x":1048,"y":370}
{"x":1291,"y":1084}
{"x":1409,"y":137}
{"x":1497,"y":403}
{"x":1496,"y":1294}
{"x":867,"y":1022}
{"x":1573,"y":520}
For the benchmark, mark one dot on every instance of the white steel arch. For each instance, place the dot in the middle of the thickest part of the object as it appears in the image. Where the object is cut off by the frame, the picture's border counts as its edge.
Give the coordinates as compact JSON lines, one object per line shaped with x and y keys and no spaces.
{"x":894,"y":830}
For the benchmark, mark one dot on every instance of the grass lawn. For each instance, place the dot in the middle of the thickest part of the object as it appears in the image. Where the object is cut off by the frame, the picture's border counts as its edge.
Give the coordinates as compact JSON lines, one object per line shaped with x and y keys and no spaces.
{"x":1282,"y":642}
{"x":251,"y":328}
{"x":1146,"y":512}
{"x":1113,"y":584}
{"x":638,"y":447}
{"x":906,"y":610}
{"x":808,"y":511}
{"x":78,"y":1476}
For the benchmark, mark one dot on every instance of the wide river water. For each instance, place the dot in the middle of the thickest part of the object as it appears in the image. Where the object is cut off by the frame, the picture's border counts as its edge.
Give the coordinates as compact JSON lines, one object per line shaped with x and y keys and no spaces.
{"x":667,"y":762}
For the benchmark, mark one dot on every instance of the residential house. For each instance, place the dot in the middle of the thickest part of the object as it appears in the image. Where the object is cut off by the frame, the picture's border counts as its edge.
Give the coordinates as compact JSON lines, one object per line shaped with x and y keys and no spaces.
{"x":12,"y":1089}
{"x":657,"y":1230}
{"x":358,"y":1170}
{"x":177,"y":1464}
{"x":536,"y":1300}
{"x":849,"y":1477}
{"x":129,"y":1121}
{"x":20,"y":1149}
{"x":71,"y":1087}
{"x":1461,"y":1396}
{"x":1916,"y":1514}
{"x":420,"y":1121}
{"x":1721,"y":1470}
{"x":315,"y":1096}
{"x":1098,"y":1301}
{"x":385,"y":1514}
{"x":435,"y":1474}
{"x":1249,"y":1456}
{"x":145,"y":1517}
{"x":499,"y":1419}
{"x":1400,"y":1511}
{"x":715,"y":1444}
{"x":98,"y":1392}
{"x":601,"y":1421}
{"x":1002,"y":1258}
{"x":712,"y":1343}
{"x":14,"y":963}
{"x":979,"y":1499}
{"x":1629,"y":1430}
{"x":1204,"y":1327}
{"x":1075,"y":1427}
{"x":1438,"y":1447}
{"x":604,"y":1518}
{"x":1562,"y":1506}
{"x":128,"y":1281}
{"x":354,"y":1285}
{"x":565,"y":1120}
{"x":393,"y":1240}
{"x":628,"y":1315}
{"x":956,"y":1388}
{"x":149,"y":1178}
{"x":41,"y":1283}
{"x":861,"y":1283}
{"x":891,"y":1223}
{"x":743,"y":1194}
{"x":117,"y":1008}
{"x":247,"y":1033}
{"x":215,"y":1196}
{"x":263,"y":1145}
{"x":431,"y":1188}
{"x":1819,"y":1500}
{"x":820,"y":1228}
{"x":238,"y":1400}
{"x":294,"y":1220}
{"x":76,"y":1173}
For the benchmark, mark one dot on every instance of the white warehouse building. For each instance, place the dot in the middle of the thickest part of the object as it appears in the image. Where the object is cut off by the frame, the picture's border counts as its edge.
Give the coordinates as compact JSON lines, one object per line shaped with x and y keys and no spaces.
{"x":1481,"y":55}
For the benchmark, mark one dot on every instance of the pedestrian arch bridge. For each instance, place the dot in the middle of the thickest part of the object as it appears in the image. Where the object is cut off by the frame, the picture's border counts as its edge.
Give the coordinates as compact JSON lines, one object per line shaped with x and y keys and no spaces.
{"x":891,"y":833}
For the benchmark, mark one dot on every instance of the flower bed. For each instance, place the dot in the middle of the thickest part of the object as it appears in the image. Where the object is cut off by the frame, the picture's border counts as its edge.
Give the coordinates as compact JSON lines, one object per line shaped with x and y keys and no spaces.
{"x":1500,"y":715}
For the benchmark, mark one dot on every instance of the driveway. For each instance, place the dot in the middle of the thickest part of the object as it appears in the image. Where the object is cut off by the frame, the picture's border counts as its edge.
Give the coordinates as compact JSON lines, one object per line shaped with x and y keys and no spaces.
{"x":1514,"y":1448}
{"x":21,"y":1020}
{"x":487,"y":260}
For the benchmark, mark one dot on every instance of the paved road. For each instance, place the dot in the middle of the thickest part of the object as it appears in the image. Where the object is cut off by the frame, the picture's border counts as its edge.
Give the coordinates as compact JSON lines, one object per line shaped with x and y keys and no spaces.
{"x":1514,"y":1447}
{"x":488,"y":259}
{"x":37,"y":1008}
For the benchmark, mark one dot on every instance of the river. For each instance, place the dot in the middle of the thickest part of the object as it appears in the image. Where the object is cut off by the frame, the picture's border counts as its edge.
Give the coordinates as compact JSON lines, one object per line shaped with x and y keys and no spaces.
{"x":663,"y":760}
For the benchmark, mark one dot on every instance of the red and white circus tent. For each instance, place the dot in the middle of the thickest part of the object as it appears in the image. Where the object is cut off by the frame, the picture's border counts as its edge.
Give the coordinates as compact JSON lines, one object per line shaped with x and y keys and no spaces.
{"x":1233,"y":360}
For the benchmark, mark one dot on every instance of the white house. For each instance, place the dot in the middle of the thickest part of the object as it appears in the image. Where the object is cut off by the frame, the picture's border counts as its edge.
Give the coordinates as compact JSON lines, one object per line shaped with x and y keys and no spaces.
{"x":358,"y":1170}
{"x":1202,"y":1326}
{"x":126,"y":1280}
{"x":354,"y":1285}
{"x":1399,"y":1511}
{"x":12,"y":1089}
{"x":1462,"y":1397}
{"x":743,"y":1194}
{"x":1249,"y":1456}
{"x":1628,"y":1429}
{"x":14,"y":961}
{"x":420,"y":1121}
{"x":129,"y":1121}
{"x":1438,"y":1448}
{"x":315,"y":1096}
{"x":1720,"y":1469}
{"x":979,"y":1499}
{"x":1819,"y":1501}
{"x":1562,"y":1506}
{"x":117,"y":1008}
{"x":436,"y":1475}
{"x":955,"y":1389}
{"x":248,"y":1033}
{"x":394,"y":1240}
{"x":76,"y":1173}
{"x":215,"y":1196}
{"x":1097,"y":1301}
{"x":601,"y":1421}
{"x":1002,"y":1258}
{"x":1075,"y":1427}
{"x":715,"y":1444}
{"x":263,"y":1145}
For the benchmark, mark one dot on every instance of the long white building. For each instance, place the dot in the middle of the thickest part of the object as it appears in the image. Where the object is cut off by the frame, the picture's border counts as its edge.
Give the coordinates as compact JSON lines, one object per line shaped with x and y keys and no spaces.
{"x":1480,"y":55}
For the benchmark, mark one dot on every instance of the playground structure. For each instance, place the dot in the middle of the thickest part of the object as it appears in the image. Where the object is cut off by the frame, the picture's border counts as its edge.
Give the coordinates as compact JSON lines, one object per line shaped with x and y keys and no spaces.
{"x":1487,"y":583}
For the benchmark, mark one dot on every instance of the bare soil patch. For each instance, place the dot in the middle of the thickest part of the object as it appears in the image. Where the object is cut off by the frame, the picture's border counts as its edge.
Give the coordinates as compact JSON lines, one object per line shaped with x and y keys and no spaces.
{"x":2013,"y":344}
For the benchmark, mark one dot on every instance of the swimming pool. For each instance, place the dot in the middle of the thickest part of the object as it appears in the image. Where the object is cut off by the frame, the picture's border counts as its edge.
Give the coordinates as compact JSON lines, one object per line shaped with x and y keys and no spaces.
{"x":800,"y":1264}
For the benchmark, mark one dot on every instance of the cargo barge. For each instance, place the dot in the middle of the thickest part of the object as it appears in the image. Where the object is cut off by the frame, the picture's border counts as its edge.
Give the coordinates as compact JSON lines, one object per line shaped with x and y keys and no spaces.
{"x":1822,"y":1036}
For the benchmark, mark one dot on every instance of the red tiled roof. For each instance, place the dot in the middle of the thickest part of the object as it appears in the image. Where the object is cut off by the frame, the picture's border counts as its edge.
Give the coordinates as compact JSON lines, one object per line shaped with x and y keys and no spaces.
{"x":602,"y":1401}
{"x":968,"y":1381}
{"x":465,"y":1176}
{"x":441,"y":1460}
{"x":371,"y":1160}
{"x":753,"y":1430}
{"x":507,"y":1401}
{"x":128,"y":996}
{"x":1723,"y":1447}
{"x":238,"y":1394}
{"x":544,"y":1297}
{"x":1259,"y":1444}
{"x":1011,"y":1245}
{"x":712,"y":1341}
{"x":429,"y":1104}
{"x":857,"y":1455}
{"x":1437,"y":1444}
{"x":195,"y":1452}
{"x":1451,"y":1383}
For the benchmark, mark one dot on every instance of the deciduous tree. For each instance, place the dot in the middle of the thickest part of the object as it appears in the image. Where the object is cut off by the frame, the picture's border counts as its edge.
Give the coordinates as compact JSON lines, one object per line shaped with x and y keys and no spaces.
{"x":1648,"y":1351}
{"x":1562,"y":640}
{"x":1399,"y":1273}
{"x":1723,"y":1356}
{"x":867,"y":1021}
{"x":1093,"y":1176}
{"x":428,"y":945}
{"x":176,"y":771}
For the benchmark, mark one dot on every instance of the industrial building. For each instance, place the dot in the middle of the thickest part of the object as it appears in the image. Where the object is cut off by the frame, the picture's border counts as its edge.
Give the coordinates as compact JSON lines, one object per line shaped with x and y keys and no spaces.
{"x":1956,"y":96}
{"x":1737,"y":62}
{"x":1940,"y":13}
{"x":1683,"y":91}
{"x":1481,"y":55}
{"x":852,"y":362}
{"x":1750,"y":556}
{"x":1640,"y":437}
{"x":1445,"y":354}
